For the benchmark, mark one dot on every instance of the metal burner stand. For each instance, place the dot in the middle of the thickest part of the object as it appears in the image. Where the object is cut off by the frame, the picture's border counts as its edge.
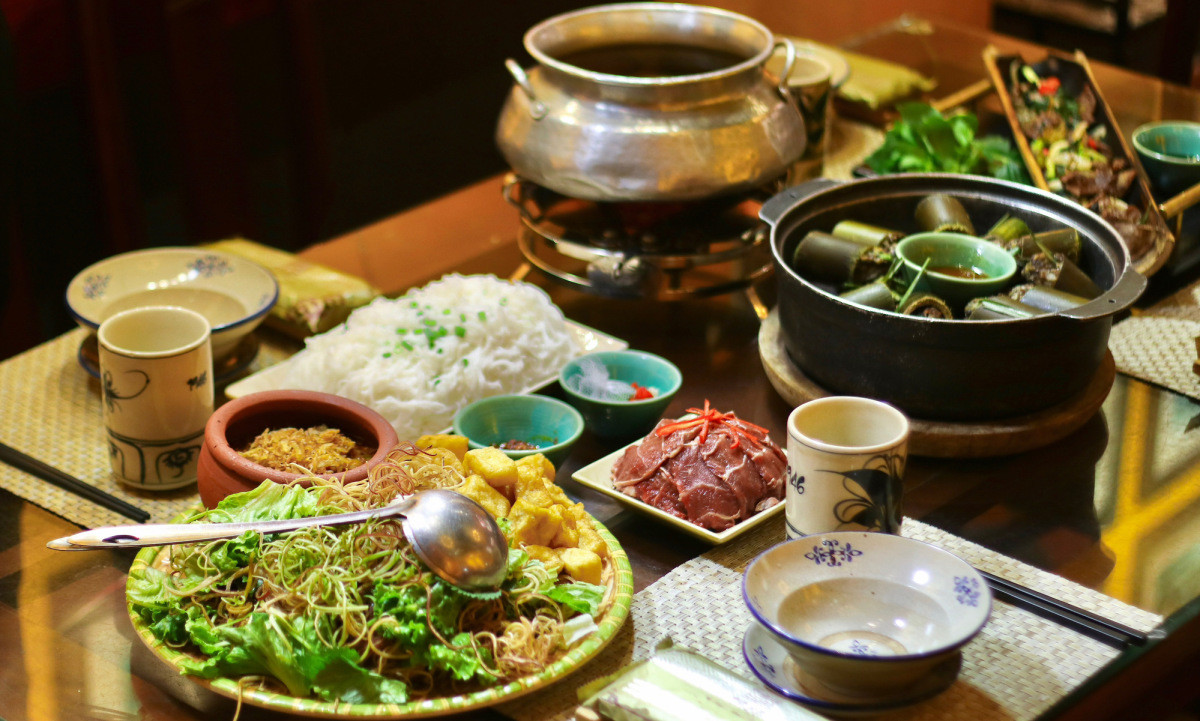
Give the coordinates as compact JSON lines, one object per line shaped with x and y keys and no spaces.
{"x":659,"y":251}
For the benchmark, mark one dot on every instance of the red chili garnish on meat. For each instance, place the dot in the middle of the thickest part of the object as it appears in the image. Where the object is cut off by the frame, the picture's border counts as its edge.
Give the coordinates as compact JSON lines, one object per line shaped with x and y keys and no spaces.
{"x":1091,"y":143}
{"x":707,"y":417}
{"x":640,"y":393}
{"x":1049,"y":86}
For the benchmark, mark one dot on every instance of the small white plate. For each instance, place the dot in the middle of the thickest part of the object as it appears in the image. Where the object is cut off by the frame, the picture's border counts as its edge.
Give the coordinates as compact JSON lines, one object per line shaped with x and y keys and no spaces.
{"x":770,"y":661}
{"x":587,"y":340}
{"x":598,"y":476}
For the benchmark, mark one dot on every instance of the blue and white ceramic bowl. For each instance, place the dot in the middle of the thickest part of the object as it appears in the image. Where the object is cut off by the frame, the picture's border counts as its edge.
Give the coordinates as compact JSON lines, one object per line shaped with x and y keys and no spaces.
{"x":233,"y":293}
{"x":864,"y":613}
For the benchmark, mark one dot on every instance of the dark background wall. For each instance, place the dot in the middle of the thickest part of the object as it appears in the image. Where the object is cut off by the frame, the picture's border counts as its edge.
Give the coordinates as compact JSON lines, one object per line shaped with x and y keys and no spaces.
{"x":135,"y":123}
{"x":157,"y":122}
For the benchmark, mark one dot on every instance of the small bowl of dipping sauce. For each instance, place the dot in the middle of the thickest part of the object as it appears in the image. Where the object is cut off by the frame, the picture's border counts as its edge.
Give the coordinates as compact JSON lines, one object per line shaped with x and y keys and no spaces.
{"x":1170,"y":153}
{"x":521,"y":425}
{"x":958,"y":267}
{"x":621,"y":394}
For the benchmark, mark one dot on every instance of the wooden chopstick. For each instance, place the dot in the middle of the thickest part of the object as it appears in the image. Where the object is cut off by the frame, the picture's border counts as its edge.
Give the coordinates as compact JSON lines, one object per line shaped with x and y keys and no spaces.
{"x":1090,"y":624}
{"x":50,"y":474}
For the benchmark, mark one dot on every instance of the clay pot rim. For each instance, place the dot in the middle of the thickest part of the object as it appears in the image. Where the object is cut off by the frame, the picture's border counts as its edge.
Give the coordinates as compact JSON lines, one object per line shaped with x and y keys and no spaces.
{"x":264,"y":402}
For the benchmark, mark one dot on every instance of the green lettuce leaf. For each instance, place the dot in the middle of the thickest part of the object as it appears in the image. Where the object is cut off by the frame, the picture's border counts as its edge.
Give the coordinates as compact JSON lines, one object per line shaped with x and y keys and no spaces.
{"x":578,"y":596}
{"x":270,"y":501}
{"x":407,"y":614}
{"x":290,"y":650}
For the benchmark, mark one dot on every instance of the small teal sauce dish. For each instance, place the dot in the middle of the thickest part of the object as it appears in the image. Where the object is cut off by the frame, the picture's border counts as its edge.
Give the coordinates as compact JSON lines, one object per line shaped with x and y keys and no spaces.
{"x":547,"y":423}
{"x":614,"y":415}
{"x":961,"y":267}
{"x":1170,"y":153}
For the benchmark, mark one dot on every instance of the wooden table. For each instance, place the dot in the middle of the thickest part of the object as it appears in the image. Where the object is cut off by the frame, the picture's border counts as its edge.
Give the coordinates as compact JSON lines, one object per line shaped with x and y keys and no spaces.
{"x":1106,"y":507}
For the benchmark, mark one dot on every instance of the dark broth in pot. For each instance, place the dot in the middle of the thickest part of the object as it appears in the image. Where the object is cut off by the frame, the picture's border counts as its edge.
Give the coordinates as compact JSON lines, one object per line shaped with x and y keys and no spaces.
{"x":651,"y":60}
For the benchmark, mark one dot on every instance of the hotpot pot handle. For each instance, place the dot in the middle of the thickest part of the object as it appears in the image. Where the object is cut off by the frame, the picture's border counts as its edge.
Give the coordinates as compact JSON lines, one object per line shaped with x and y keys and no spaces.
{"x":537,"y":109}
{"x":777,"y":205}
{"x":789,"y":50}
{"x":1129,"y":288}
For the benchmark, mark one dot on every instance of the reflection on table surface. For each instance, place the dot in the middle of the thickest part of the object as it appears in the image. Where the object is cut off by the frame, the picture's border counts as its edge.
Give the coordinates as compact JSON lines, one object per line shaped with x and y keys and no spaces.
{"x":1114,"y":506}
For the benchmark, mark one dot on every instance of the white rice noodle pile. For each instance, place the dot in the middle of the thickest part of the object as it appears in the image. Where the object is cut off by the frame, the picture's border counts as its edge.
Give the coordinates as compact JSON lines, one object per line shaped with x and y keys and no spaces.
{"x":417,"y":359}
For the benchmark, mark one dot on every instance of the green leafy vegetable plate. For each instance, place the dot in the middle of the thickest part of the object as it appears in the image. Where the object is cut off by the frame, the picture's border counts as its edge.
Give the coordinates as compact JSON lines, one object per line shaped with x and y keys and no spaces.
{"x":922,"y":140}
{"x":608,"y":625}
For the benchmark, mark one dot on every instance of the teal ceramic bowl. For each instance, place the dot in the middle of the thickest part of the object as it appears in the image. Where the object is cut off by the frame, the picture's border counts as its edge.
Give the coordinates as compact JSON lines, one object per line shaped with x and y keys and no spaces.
{"x":1170,"y":153}
{"x":618,"y":417}
{"x":548,"y":423}
{"x":961,"y":267}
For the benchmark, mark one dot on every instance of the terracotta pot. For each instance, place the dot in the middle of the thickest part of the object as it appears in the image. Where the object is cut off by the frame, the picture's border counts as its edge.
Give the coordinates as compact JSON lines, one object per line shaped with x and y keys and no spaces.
{"x":222,"y":470}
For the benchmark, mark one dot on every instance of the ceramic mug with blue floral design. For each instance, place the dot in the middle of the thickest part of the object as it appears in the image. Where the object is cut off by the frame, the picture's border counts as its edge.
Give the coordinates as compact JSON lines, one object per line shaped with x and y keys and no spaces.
{"x":156,"y":376}
{"x":846,"y":458}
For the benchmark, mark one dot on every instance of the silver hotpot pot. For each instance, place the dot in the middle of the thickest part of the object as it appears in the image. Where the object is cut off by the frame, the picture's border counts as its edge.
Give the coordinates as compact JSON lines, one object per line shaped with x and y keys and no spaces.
{"x":650,"y":102}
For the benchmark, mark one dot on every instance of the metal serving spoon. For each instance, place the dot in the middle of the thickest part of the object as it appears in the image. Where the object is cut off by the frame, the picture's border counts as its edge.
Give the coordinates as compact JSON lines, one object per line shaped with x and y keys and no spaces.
{"x":451,"y":533}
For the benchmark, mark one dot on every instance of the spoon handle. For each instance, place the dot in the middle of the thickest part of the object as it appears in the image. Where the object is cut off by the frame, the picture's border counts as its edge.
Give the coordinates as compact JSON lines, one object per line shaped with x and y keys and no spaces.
{"x":165,"y":534}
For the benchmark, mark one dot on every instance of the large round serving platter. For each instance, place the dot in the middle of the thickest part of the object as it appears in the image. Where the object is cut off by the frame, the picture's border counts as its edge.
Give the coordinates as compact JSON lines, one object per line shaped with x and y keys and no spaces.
{"x":617,"y":611}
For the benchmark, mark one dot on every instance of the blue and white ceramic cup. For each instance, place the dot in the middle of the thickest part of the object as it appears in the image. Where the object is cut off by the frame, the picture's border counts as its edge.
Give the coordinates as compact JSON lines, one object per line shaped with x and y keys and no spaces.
{"x":156,"y":378}
{"x":846,"y":458}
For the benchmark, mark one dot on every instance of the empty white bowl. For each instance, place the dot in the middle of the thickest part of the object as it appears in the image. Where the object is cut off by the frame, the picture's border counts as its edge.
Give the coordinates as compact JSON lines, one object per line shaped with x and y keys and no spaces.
{"x":866,"y":614}
{"x":233,"y":293}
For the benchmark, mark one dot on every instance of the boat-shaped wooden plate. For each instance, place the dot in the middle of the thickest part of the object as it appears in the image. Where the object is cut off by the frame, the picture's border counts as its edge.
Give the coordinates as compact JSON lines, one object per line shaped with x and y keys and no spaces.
{"x":616,"y":610}
{"x":1075,"y":74}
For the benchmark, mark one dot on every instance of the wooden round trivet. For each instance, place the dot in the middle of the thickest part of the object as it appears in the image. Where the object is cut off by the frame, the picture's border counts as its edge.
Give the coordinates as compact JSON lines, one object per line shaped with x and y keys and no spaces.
{"x":950,"y":439}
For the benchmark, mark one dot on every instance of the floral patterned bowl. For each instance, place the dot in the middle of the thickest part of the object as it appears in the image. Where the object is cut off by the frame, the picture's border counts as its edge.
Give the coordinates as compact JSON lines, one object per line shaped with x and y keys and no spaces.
{"x":233,"y":293}
{"x":866,"y":614}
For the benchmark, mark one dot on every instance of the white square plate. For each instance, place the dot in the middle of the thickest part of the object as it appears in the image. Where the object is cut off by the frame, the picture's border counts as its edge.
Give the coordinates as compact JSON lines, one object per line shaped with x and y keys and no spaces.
{"x":598,"y":476}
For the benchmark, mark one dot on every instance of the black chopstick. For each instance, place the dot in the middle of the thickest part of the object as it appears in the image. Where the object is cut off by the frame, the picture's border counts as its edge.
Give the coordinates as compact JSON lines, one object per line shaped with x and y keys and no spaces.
{"x":1090,"y":624}
{"x":50,"y":474}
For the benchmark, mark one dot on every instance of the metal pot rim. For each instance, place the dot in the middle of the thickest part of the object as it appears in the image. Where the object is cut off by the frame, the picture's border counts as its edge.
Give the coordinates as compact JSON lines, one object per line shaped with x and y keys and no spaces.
{"x":756,"y":61}
{"x":1127,"y":283}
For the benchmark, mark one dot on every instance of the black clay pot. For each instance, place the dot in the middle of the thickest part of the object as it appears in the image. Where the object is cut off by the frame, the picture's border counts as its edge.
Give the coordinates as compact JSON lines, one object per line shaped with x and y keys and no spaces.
{"x":945,"y":369}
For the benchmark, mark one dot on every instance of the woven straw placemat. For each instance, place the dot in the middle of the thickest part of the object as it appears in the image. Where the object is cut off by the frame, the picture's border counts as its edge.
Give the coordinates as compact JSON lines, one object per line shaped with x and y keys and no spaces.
{"x":1158,"y":345}
{"x":51,"y":411}
{"x":848,"y":143}
{"x":1016,"y":668}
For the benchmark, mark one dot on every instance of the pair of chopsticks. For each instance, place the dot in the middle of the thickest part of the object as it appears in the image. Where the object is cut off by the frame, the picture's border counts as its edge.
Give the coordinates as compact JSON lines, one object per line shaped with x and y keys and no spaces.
{"x":1085,"y":622}
{"x":50,"y":474}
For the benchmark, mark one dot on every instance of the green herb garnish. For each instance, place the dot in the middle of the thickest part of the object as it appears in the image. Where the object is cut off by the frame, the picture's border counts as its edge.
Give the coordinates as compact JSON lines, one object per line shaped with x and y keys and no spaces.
{"x":925,"y":141}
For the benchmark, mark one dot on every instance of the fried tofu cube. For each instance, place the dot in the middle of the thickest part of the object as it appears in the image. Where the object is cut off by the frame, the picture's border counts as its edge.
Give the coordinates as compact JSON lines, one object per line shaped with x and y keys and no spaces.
{"x":479,"y":491}
{"x":590,"y":539}
{"x":539,"y":463}
{"x":497,"y":469}
{"x":455,"y":444}
{"x":533,"y":488}
{"x":534,"y":525}
{"x":582,"y":565}
{"x":439,"y":457}
{"x":568,"y":533}
{"x":548,"y":556}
